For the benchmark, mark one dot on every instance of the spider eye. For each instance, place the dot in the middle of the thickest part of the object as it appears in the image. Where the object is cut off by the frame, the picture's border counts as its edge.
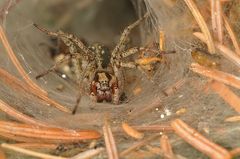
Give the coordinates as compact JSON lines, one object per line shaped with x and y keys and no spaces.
{"x":99,"y":47}
{"x":103,"y":52}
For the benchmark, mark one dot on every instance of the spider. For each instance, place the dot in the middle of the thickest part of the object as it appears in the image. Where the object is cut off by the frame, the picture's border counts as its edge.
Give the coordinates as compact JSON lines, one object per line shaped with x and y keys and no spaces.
{"x":96,"y":65}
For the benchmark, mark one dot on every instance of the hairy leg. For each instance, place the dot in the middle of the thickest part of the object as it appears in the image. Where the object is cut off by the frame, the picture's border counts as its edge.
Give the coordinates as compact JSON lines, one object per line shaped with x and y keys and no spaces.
{"x":74,"y":45}
{"x":135,"y":50}
{"x":123,"y":39}
{"x":80,"y":82}
{"x":54,"y":67}
{"x":71,"y":41}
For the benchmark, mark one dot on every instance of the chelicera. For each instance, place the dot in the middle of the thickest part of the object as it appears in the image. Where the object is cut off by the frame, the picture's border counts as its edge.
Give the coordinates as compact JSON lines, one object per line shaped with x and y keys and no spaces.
{"x":95,"y":65}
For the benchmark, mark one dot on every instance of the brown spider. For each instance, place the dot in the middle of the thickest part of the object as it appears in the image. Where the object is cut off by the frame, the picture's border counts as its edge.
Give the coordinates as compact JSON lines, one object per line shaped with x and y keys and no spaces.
{"x":98,"y":66}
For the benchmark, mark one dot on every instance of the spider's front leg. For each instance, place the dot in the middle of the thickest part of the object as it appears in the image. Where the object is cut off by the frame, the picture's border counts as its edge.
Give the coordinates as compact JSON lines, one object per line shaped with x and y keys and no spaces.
{"x":79,"y":54}
{"x":70,"y":41}
{"x":123,"y":39}
{"x":54,"y":67}
{"x":139,"y":61}
{"x":81,"y":76}
{"x":117,"y":84}
{"x":66,"y":39}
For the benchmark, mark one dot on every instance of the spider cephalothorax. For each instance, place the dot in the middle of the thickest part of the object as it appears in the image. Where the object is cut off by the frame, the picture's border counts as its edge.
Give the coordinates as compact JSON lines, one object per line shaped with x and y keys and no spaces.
{"x":102,"y":55}
{"x":99,"y":67}
{"x":104,"y":85}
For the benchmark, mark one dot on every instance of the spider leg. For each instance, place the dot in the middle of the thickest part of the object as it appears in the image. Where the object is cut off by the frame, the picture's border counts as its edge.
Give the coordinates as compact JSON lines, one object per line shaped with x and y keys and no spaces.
{"x":74,"y":45}
{"x":80,"y":76}
{"x":77,"y":103}
{"x":125,"y":34}
{"x":56,"y":34}
{"x":139,"y":61}
{"x":118,"y":64}
{"x":80,"y":80}
{"x":118,"y":73}
{"x":87,"y":53}
{"x":142,"y":68}
{"x":128,"y":64}
{"x":69,"y":41}
{"x":77,"y":69}
{"x":129,"y":52}
{"x":116,"y":95}
{"x":135,"y":50}
{"x":54,"y":67}
{"x":142,"y":63}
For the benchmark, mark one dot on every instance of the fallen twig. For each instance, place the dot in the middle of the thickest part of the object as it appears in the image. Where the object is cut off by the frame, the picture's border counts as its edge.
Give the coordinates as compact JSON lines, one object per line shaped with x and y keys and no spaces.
{"x":229,"y":54}
{"x":52,"y":102}
{"x":149,"y":128}
{"x":29,"y":152}
{"x":216,"y":14}
{"x":109,"y":141}
{"x":155,"y":150}
{"x":213,"y":17}
{"x":202,"y":24}
{"x":231,"y":34}
{"x":219,"y":22}
{"x":13,"y":81}
{"x":235,"y":152}
{"x":17,"y":84}
{"x":33,"y":88}
{"x":198,"y":141}
{"x":226,"y":52}
{"x":158,"y":128}
{"x":233,"y":119}
{"x":20,"y":138}
{"x":220,"y":76}
{"x":46,"y":134}
{"x":2,"y":154}
{"x":88,"y":154}
{"x":19,"y":116}
{"x":36,"y":145}
{"x":6,"y":8}
{"x":17,"y":63}
{"x":141,"y":154}
{"x":159,"y":151}
{"x":231,"y":98}
{"x":166,"y":147}
{"x":131,"y":131}
{"x":200,"y":36}
{"x":169,"y":4}
{"x":138,"y":144}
